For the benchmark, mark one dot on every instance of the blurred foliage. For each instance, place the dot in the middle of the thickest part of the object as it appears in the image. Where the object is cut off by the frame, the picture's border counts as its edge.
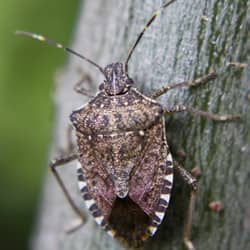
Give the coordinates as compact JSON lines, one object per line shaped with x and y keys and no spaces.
{"x":27,"y":70}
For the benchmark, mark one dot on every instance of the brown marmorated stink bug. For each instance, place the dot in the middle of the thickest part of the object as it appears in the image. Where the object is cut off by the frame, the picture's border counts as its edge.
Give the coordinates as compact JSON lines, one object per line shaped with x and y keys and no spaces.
{"x":126,"y":167}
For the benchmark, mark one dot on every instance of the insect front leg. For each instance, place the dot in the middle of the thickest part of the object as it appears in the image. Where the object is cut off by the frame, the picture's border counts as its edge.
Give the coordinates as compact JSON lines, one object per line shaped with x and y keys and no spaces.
{"x":191,"y":181}
{"x":209,"y":115}
{"x":80,"y":86}
{"x":189,"y":83}
{"x":70,"y":147}
{"x":53,"y":166}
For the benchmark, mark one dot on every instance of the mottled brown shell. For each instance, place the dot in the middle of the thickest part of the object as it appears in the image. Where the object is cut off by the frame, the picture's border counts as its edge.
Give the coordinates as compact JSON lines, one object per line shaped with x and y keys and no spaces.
{"x":126,"y":170}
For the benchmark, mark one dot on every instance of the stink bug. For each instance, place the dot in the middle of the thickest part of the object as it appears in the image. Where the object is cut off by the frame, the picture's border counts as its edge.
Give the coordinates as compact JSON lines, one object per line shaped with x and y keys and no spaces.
{"x":125,"y":166}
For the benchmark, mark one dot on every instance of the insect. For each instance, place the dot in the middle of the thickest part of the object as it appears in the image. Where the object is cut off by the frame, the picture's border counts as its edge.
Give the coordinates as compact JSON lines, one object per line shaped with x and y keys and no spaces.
{"x":125,"y":166}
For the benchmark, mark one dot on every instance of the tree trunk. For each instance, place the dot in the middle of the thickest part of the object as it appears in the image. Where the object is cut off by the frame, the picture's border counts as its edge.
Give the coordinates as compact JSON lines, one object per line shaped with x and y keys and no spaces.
{"x":188,"y":39}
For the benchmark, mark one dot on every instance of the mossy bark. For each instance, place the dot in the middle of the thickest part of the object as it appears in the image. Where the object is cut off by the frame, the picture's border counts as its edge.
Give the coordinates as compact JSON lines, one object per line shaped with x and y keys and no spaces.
{"x":188,"y":39}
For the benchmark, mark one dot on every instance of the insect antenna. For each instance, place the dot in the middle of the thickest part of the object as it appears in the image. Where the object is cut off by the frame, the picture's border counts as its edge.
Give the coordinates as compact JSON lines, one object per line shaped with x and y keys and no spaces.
{"x":150,"y":21}
{"x":58,"y":45}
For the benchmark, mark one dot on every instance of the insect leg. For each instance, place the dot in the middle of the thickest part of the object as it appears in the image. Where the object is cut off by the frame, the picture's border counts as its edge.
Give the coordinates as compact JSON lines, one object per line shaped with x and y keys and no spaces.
{"x":53,"y":166}
{"x":70,"y":143}
{"x":189,"y":83}
{"x":79,"y":86}
{"x":191,"y":181}
{"x":209,"y":115}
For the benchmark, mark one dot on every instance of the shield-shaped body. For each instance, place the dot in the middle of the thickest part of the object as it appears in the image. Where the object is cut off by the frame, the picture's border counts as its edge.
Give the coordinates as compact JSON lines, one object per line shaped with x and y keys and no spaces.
{"x":126,"y":170}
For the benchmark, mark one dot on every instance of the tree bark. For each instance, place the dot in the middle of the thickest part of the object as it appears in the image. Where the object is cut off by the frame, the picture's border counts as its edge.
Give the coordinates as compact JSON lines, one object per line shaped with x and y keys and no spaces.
{"x":187,"y":40}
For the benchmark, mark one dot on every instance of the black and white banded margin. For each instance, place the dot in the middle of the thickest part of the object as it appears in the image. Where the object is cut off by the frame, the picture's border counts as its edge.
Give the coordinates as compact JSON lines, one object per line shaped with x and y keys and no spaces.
{"x":164,"y":196}
{"x":90,"y":202}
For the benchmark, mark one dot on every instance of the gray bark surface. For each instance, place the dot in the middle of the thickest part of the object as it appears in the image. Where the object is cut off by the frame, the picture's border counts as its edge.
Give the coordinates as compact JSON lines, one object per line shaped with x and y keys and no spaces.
{"x":187,"y":40}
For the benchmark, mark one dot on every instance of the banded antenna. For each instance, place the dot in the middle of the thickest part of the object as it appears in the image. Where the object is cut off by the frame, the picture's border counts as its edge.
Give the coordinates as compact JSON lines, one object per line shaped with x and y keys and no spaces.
{"x":58,"y":45}
{"x":150,"y":21}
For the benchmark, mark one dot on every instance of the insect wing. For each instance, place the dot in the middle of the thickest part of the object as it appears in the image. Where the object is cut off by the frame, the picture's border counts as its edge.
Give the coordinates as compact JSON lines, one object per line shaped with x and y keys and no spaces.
{"x":151,"y":184}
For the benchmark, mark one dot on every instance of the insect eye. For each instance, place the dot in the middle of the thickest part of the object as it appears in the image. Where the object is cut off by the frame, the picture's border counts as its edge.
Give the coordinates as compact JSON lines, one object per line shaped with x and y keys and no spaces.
{"x":129,"y":82}
{"x":101,"y":86}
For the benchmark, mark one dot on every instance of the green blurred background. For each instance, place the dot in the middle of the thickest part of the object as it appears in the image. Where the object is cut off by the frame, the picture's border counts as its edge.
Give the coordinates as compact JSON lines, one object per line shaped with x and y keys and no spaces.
{"x":27,"y":70}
